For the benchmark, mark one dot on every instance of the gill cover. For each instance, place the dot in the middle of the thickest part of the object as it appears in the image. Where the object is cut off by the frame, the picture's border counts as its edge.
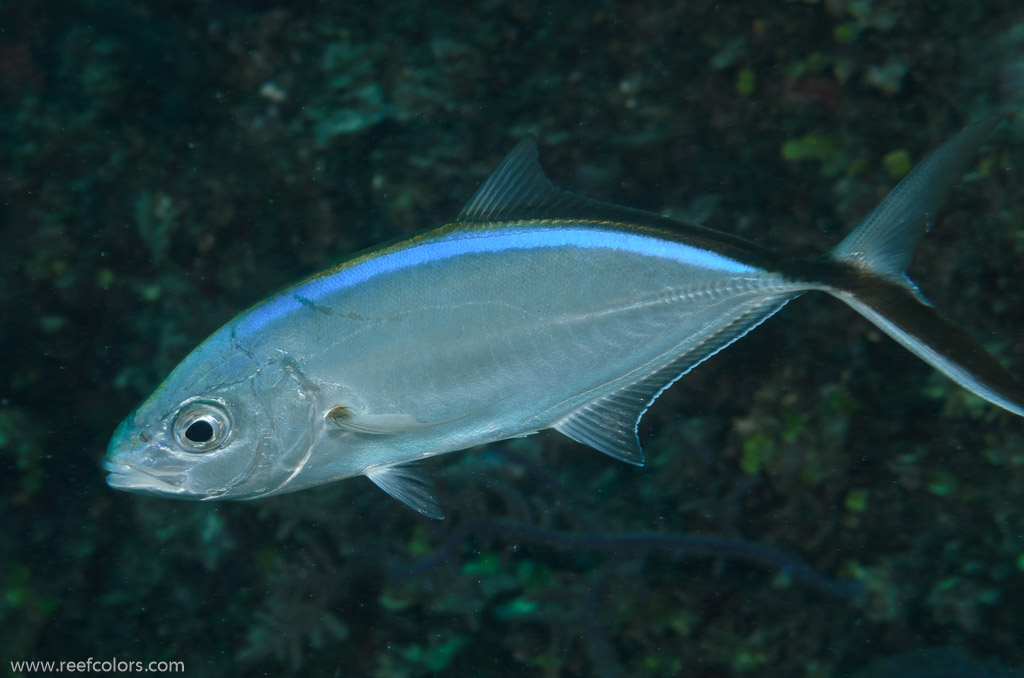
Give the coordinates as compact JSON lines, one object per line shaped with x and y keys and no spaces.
{"x":285,"y":435}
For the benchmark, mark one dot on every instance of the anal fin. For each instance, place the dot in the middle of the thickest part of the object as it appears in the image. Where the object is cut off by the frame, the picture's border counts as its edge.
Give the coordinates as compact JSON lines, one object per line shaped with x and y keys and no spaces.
{"x":609,"y":423}
{"x":608,"y":426}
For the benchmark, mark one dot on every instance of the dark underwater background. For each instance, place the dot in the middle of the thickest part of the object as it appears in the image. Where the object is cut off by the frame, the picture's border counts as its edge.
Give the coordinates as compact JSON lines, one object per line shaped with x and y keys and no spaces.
{"x":817,"y":502}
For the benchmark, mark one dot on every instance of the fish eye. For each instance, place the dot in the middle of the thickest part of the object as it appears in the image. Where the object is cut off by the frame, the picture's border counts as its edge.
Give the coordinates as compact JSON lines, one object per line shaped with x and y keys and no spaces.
{"x":201,"y":426}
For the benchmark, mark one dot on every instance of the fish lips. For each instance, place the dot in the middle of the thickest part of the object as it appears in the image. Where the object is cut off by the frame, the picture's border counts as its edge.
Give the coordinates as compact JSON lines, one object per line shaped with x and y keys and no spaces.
{"x":132,"y":479}
{"x":125,"y":464}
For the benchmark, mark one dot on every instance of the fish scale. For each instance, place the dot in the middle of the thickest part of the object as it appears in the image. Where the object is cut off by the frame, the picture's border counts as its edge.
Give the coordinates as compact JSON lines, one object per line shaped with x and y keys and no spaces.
{"x":534,"y":309}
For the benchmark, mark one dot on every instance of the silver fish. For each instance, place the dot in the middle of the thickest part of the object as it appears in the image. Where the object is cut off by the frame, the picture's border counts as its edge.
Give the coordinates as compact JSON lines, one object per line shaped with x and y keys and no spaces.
{"x":533,"y":309}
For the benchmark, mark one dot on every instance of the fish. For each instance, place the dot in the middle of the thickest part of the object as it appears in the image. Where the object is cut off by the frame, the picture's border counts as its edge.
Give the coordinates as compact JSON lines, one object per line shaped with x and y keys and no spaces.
{"x":533,"y":309}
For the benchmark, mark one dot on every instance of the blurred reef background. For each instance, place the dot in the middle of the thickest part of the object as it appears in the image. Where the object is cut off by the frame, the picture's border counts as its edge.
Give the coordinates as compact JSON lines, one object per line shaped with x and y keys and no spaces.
{"x":817,"y":503}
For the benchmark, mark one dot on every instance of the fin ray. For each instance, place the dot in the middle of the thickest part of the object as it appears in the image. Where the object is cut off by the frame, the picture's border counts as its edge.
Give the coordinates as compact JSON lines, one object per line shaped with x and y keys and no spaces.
{"x":609,"y":424}
{"x":346,"y":419}
{"x":408,"y":485}
{"x":519,"y":190}
{"x":872,"y":279}
{"x":942,"y":344}
{"x":374,"y":424}
{"x":884,"y":241}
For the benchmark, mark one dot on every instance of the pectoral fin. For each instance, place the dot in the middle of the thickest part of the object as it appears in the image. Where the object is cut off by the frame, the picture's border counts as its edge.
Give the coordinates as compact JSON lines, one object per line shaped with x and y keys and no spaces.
{"x":375,"y":424}
{"x":410,"y":486}
{"x":347,"y":419}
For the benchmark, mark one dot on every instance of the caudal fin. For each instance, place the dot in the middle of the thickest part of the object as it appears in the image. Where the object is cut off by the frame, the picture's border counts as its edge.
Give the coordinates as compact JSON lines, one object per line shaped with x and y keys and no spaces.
{"x":877,"y":253}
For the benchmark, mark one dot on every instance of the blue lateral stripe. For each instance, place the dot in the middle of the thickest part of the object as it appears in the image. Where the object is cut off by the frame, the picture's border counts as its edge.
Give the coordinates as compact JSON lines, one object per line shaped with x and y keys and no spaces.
{"x":462,"y":242}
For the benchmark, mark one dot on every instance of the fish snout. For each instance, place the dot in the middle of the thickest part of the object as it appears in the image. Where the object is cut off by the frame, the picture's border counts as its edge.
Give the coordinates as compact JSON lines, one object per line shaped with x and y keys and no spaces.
{"x":129,"y":458}
{"x":126,"y":440}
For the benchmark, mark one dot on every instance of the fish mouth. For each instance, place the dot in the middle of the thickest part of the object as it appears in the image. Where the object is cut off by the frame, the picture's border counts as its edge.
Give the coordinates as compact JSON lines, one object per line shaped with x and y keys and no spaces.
{"x":124,"y":477}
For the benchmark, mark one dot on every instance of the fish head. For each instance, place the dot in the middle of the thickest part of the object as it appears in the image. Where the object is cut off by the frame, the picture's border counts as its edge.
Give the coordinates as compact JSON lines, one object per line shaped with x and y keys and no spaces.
{"x":225,"y":424}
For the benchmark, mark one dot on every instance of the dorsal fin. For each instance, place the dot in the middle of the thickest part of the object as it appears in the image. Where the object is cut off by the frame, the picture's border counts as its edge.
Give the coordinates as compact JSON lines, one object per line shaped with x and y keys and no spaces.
{"x":518,"y":190}
{"x":518,"y":184}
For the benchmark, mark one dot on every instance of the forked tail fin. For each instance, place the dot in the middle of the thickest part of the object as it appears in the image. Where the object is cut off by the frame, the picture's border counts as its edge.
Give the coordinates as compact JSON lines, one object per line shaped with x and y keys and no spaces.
{"x":877,"y":253}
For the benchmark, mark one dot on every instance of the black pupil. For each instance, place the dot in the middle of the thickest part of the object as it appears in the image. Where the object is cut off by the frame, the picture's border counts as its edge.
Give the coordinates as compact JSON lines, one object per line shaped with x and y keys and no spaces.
{"x":199,"y":431}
